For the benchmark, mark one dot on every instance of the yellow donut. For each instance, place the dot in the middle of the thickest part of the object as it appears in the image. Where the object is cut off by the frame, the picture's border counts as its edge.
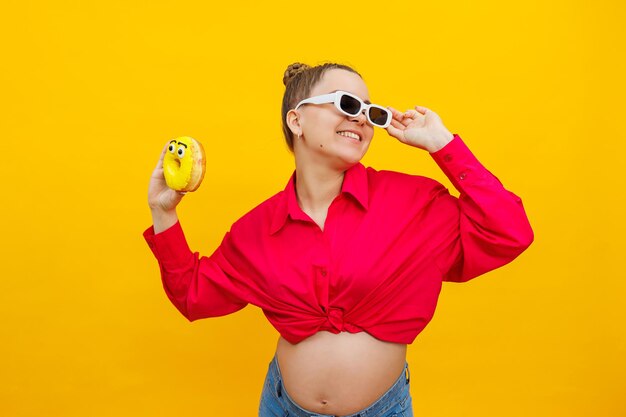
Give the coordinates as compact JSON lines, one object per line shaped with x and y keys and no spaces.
{"x":184,"y":164}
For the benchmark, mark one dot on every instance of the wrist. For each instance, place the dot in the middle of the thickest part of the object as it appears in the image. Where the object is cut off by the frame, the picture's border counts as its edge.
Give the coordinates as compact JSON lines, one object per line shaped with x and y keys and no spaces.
{"x":439,"y":141}
{"x":159,"y":212}
{"x":157,"y":208}
{"x":163,"y":220}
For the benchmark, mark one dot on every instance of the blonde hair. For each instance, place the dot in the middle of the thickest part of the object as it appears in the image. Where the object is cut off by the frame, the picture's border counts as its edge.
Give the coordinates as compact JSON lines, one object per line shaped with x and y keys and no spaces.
{"x":299,"y":80}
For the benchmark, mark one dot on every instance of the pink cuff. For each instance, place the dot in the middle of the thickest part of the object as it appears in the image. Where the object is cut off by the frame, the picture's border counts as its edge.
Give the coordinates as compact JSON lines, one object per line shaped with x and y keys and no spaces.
{"x":168,"y":246}
{"x":459,"y":163}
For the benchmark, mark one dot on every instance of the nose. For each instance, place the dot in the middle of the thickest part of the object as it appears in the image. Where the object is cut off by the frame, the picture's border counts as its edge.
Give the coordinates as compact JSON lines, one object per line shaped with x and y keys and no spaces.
{"x":360,"y":118}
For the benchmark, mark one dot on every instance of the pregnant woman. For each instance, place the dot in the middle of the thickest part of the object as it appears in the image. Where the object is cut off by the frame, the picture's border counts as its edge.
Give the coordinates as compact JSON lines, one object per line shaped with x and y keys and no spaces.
{"x":347,"y":261}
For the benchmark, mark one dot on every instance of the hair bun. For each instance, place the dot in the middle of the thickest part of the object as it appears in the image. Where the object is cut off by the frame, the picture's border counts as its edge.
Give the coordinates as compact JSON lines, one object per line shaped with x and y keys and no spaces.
{"x":293,"y":70}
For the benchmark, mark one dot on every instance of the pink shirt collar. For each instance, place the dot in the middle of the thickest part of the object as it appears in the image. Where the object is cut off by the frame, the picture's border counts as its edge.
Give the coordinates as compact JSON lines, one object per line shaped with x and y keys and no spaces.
{"x":354,"y":183}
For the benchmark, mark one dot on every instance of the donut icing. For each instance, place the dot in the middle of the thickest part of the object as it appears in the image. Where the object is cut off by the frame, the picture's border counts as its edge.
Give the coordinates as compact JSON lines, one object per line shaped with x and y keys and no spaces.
{"x":184,"y":164}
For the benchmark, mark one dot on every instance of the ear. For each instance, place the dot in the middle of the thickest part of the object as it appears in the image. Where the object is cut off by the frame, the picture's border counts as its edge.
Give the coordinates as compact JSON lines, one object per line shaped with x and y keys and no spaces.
{"x":293,"y":122}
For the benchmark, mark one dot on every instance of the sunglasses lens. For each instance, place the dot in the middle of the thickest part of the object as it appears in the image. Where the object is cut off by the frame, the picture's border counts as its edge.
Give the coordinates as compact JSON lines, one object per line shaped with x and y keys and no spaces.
{"x":378,"y":116}
{"x":350,"y":105}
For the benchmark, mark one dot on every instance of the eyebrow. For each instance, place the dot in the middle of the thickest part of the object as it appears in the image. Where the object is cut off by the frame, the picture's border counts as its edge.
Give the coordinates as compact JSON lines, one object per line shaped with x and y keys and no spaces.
{"x":364,"y":101}
{"x":180,"y":143}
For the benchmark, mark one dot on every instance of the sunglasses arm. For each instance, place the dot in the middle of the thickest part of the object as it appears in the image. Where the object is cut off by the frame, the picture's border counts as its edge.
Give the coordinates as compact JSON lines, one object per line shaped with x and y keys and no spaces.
{"x":326,"y":98}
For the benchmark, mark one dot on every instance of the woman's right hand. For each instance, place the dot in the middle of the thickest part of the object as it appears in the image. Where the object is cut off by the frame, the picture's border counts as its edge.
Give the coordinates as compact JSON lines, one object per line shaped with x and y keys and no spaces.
{"x":162,"y":198}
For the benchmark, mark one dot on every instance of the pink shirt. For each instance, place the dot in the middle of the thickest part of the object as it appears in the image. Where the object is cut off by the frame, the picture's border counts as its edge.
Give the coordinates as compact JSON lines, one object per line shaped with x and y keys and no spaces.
{"x":389,"y":241}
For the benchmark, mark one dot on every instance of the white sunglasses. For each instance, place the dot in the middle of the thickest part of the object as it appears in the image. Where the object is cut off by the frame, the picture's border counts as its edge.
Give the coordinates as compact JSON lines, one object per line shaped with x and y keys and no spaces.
{"x":351,"y":105}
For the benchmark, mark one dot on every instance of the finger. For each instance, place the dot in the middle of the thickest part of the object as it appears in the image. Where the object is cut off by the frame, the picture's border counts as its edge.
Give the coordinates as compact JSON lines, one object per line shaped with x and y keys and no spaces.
{"x":395,"y":132}
{"x":160,"y":163}
{"x":397,"y":124}
{"x":402,"y":118}
{"x":407,"y":120}
{"x":421,"y":109}
{"x":411,"y":113}
{"x":395,"y":113}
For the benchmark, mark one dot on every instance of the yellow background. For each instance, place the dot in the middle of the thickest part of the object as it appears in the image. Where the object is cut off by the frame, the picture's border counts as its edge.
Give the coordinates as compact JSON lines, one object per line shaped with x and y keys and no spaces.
{"x":92,"y":90}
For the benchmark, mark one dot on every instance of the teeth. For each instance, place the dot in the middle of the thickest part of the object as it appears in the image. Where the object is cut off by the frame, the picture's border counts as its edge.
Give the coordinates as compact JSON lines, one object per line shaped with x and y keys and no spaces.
{"x":350,"y":135}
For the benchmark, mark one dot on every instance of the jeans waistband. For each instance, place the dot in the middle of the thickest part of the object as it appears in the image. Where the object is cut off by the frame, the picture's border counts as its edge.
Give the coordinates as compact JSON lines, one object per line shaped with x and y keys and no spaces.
{"x":384,"y":402}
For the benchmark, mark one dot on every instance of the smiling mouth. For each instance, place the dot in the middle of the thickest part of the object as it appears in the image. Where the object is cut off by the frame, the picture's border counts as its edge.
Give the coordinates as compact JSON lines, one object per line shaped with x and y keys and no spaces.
{"x":350,"y":135}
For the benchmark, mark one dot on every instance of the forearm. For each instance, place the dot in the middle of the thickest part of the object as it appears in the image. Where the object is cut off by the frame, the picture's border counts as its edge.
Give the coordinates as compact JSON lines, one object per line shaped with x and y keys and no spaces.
{"x":163,"y":220}
{"x":489,"y":225}
{"x":440,"y":140}
{"x":198,"y":286}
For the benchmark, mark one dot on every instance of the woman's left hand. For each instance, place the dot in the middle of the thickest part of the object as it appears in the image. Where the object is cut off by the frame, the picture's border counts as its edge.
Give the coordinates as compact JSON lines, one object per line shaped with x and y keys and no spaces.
{"x":421,"y":128}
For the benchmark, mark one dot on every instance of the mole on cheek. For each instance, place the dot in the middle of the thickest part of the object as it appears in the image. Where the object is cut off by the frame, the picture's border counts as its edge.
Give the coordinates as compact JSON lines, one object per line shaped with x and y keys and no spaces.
{"x":321,"y":146}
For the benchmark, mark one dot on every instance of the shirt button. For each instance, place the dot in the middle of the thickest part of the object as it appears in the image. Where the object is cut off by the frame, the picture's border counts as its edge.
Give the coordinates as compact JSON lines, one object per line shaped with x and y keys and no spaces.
{"x":447,"y":158}
{"x":323,"y":272}
{"x":462,"y":176}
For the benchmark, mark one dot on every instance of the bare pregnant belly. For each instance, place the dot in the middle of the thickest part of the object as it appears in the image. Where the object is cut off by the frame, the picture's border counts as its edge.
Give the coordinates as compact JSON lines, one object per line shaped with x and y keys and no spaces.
{"x":339,"y":374}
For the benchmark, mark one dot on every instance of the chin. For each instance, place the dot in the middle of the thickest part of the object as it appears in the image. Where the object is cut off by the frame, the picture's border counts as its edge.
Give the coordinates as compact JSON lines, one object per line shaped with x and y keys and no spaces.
{"x":351,"y":158}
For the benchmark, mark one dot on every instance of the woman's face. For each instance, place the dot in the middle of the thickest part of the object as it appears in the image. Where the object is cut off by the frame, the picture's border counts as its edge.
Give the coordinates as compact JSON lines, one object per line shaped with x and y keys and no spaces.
{"x":322,"y":124}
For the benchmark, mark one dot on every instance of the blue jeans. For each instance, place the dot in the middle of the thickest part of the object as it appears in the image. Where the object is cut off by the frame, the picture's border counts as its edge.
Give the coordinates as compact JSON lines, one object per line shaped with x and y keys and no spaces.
{"x":275,"y":402}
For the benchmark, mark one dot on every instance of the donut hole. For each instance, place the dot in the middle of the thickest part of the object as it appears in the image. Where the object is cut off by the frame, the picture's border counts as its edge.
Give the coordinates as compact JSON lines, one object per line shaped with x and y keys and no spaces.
{"x":177,"y":161}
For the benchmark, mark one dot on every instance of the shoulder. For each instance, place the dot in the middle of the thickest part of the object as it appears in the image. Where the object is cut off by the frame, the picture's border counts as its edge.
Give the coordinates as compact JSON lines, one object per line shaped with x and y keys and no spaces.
{"x":258,"y":219}
{"x":400,"y":183}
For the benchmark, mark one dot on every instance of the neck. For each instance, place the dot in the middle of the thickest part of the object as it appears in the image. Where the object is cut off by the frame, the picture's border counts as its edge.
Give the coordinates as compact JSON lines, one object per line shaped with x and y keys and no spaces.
{"x":317,"y":184}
